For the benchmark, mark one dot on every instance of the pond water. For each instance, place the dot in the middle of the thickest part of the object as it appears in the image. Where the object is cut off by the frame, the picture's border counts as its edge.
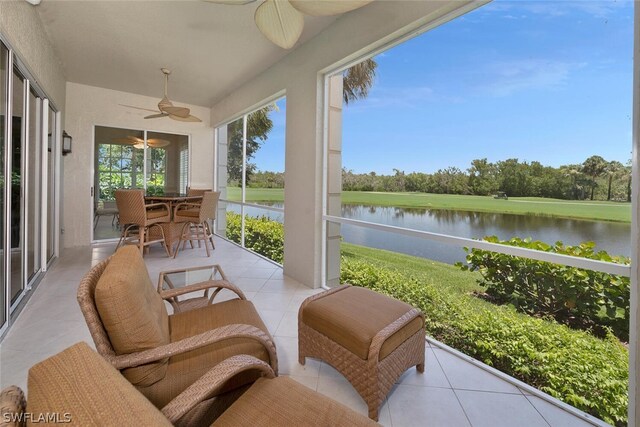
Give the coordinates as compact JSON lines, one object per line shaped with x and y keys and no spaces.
{"x":612,"y":237}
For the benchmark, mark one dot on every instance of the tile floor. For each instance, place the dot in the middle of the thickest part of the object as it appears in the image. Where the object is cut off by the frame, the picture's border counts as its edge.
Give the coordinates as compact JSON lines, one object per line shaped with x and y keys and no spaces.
{"x":452,"y":392}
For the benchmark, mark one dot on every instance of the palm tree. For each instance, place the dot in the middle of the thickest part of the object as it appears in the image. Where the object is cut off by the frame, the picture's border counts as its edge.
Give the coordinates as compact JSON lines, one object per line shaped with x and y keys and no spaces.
{"x":357,"y":80}
{"x":613,"y":170}
{"x":594,"y":167}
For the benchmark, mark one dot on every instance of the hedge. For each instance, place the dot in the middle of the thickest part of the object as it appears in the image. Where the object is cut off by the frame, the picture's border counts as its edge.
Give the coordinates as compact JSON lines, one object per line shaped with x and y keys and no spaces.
{"x":584,"y":371}
{"x":584,"y":299}
{"x":262,"y":235}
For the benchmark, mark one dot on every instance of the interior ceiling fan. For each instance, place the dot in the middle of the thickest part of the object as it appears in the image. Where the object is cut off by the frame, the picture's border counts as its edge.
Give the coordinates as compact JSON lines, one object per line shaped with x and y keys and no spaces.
{"x":166,"y":107}
{"x":139,"y":142}
{"x":282,"y":21}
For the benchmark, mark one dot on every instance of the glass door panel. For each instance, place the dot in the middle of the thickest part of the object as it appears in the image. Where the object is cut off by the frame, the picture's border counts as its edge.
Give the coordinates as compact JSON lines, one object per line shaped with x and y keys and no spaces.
{"x":17,"y":180}
{"x":4,"y":54}
{"x":167,"y":163}
{"x":51,"y":187}
{"x":34,"y":182}
{"x":119,"y":162}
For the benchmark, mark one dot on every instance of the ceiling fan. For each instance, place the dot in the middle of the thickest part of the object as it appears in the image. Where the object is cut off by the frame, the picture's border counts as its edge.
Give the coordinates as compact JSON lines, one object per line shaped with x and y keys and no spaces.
{"x":282,"y":21}
{"x":166,"y":107}
{"x":139,"y":142}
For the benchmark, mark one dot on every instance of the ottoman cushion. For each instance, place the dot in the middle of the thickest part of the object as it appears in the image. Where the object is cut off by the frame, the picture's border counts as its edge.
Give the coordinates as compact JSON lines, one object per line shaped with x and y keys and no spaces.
{"x":353,"y":316}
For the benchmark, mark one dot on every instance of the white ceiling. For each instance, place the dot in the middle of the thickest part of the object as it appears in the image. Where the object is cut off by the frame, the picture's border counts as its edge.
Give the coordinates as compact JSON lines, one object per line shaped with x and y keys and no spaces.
{"x":211,"y":49}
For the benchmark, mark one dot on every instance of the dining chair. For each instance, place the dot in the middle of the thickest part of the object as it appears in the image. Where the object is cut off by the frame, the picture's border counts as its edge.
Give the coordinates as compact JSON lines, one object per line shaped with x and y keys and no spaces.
{"x":196,"y":218}
{"x":138,"y":218}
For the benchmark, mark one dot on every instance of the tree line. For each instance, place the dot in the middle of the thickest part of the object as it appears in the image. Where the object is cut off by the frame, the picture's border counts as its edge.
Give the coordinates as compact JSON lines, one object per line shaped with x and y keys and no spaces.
{"x":594,"y":179}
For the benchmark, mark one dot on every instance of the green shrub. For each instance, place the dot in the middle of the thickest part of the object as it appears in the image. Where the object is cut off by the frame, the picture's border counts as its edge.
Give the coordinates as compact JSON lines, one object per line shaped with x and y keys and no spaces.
{"x":262,"y":235}
{"x":579,"y":298}
{"x":587,"y":372}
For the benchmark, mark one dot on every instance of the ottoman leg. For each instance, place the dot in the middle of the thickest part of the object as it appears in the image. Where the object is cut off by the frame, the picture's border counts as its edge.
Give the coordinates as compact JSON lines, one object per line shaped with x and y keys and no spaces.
{"x":420,"y":368}
{"x":373,"y":414}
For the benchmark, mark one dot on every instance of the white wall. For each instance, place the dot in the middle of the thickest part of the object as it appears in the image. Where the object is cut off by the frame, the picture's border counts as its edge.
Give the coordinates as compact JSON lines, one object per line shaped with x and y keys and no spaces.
{"x":20,"y":25}
{"x":300,"y":74}
{"x":88,"y":106}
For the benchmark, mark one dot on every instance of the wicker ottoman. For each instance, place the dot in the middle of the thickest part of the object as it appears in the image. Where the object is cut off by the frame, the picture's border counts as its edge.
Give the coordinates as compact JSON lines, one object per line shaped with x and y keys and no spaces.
{"x":370,"y":338}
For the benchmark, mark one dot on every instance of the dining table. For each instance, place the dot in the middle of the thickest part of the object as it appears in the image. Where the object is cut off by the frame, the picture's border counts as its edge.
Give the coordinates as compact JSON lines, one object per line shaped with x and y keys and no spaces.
{"x":172,"y":230}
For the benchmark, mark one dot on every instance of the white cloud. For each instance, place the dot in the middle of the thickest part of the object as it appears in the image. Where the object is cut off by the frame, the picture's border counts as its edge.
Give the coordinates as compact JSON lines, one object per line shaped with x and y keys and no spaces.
{"x":385,"y":97}
{"x":508,"y":77}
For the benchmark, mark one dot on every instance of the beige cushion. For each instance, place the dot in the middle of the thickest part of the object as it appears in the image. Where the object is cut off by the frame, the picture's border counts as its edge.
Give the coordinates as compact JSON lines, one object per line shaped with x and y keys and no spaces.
{"x":132,"y":312}
{"x":353,"y":316}
{"x":186,"y":368}
{"x":191,"y":213}
{"x":157,"y":213}
{"x":284,"y":402}
{"x":80,"y":383}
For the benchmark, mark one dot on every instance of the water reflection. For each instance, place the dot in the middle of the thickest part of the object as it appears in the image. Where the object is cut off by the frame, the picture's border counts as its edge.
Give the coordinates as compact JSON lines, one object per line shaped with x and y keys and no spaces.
{"x":612,"y":237}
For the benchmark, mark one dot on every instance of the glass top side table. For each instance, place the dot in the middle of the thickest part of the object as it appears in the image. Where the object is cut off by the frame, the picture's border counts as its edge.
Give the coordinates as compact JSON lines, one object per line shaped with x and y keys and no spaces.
{"x":190,"y":288}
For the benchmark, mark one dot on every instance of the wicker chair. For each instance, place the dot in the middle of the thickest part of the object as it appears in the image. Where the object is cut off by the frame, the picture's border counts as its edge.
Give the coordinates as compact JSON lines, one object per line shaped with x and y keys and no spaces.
{"x":77,"y":386}
{"x":197,"y":191}
{"x":161,"y":354}
{"x":196,"y":220}
{"x":137,"y":218}
{"x":108,"y":208}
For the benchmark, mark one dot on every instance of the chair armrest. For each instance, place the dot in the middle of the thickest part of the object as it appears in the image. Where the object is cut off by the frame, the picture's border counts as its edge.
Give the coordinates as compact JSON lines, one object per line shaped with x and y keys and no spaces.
{"x":211,"y":383}
{"x":392,"y":328}
{"x":220,"y":284}
{"x":197,"y":341}
{"x":153,"y":205}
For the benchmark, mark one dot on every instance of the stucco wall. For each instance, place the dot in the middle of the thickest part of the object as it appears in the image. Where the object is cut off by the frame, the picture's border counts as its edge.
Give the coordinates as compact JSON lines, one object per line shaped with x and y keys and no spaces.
{"x":20,"y":25}
{"x":300,"y":74}
{"x":88,"y":106}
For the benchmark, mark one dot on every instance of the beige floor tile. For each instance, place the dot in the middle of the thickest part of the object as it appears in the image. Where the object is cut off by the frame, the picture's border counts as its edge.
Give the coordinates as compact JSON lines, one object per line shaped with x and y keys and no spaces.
{"x":463,"y":375}
{"x":426,"y":406}
{"x":555,"y":416}
{"x":499,"y":409}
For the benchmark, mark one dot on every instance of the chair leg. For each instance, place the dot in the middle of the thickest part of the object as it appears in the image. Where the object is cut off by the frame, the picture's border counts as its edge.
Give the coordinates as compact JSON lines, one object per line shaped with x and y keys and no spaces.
{"x":182,"y":240}
{"x":204,"y":240}
{"x":165,"y":244}
{"x":141,"y":232}
{"x":210,"y":235}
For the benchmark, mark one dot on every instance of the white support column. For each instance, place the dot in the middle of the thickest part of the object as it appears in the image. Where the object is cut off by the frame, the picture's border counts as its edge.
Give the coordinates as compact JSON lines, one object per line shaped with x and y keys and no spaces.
{"x":334,"y":178}
{"x":634,"y":344}
{"x":303,"y":181}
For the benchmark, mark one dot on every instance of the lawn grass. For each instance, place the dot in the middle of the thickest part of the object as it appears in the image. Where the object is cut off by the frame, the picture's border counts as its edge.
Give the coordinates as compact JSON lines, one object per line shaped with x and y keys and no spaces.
{"x":447,"y":277}
{"x":596,"y":210}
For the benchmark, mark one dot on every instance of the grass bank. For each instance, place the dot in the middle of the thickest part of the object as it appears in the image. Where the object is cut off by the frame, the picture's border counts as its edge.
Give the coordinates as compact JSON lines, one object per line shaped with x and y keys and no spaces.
{"x":588,"y":210}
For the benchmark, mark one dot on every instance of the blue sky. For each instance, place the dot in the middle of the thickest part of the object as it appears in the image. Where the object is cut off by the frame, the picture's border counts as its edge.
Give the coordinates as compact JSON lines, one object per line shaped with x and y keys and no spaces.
{"x":543,"y":80}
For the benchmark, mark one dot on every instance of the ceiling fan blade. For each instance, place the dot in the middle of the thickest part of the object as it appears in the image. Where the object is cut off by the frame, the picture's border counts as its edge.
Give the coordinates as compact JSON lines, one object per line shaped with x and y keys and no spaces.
{"x":232,"y":2}
{"x":157,"y":143}
{"x":140,"y":108}
{"x":327,"y":7}
{"x":279,"y":22}
{"x":155,"y":116}
{"x":177,"y":111}
{"x":123,"y":141}
{"x":189,"y":118}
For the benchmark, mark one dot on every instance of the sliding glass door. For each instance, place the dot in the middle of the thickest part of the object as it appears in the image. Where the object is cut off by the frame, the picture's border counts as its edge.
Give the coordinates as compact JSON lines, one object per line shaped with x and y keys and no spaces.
{"x":17,"y":180}
{"x":28,"y":194}
{"x":4,"y":56}
{"x":128,"y":158}
{"x":33,"y":186}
